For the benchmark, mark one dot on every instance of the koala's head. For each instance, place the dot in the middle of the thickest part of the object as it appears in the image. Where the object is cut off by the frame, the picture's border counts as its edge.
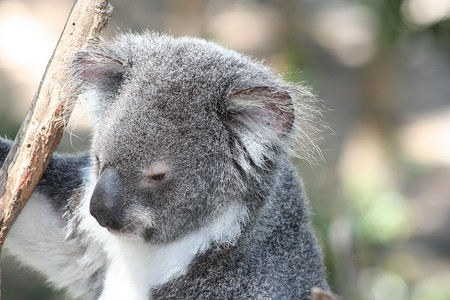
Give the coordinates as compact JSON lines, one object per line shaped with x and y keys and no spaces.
{"x":183,"y":130}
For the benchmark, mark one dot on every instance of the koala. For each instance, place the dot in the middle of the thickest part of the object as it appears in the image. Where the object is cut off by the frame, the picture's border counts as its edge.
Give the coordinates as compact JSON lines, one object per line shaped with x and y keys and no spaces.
{"x":188,"y":191}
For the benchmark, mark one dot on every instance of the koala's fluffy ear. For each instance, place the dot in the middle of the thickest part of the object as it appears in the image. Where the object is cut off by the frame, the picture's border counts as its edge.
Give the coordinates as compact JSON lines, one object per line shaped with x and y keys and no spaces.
{"x":263,"y":118}
{"x":265,"y":111}
{"x":98,"y":73}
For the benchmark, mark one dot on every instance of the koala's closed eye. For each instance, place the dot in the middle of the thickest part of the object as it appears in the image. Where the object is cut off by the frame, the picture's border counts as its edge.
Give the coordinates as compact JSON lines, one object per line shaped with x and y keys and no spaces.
{"x":157,"y":173}
{"x":156,"y":178}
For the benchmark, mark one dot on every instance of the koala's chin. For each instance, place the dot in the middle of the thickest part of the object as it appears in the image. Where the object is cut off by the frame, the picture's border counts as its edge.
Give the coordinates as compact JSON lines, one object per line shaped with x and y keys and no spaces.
{"x":134,"y":230}
{"x":129,"y":230}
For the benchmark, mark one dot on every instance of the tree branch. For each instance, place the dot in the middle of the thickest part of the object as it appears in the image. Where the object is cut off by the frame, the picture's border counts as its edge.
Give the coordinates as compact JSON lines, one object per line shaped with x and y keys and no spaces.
{"x":319,"y":294}
{"x":49,"y":113}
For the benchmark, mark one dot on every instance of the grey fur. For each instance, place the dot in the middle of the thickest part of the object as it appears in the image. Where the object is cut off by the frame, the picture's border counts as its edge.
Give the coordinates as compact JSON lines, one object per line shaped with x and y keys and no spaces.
{"x":185,"y":130}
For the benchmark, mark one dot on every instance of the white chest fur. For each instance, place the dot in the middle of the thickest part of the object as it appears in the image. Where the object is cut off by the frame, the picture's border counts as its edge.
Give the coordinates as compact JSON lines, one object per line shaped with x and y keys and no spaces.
{"x":136,"y":267}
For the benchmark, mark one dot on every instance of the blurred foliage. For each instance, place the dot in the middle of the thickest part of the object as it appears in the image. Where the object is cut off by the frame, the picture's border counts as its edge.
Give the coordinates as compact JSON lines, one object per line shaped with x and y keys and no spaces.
{"x":366,"y":220}
{"x":8,"y":124}
{"x":394,"y":26}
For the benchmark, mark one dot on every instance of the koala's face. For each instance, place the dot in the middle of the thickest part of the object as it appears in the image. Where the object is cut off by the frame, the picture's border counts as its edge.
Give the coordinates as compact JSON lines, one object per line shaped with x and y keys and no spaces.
{"x":183,"y":128}
{"x":162,"y":163}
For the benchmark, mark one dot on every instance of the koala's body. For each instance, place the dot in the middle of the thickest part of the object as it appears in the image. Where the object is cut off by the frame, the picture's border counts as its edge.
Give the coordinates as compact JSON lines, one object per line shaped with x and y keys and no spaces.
{"x":188,"y":191}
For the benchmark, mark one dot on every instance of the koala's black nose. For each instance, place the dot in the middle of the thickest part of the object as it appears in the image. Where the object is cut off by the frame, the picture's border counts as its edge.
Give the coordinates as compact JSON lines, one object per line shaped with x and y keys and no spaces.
{"x":106,"y":204}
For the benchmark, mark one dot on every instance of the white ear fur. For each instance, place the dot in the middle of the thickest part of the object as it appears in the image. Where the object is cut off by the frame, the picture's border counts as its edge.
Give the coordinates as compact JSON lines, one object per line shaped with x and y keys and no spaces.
{"x":265,"y":111}
{"x":99,"y":77}
{"x":97,"y":69}
{"x":263,"y":118}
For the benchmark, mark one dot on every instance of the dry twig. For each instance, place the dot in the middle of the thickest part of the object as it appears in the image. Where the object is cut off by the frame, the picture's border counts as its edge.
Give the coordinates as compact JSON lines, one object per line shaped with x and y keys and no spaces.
{"x":319,"y":294}
{"x":49,"y":113}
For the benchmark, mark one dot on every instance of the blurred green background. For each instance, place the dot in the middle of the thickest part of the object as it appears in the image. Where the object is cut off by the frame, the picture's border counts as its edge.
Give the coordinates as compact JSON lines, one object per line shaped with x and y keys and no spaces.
{"x":381,"y":195}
